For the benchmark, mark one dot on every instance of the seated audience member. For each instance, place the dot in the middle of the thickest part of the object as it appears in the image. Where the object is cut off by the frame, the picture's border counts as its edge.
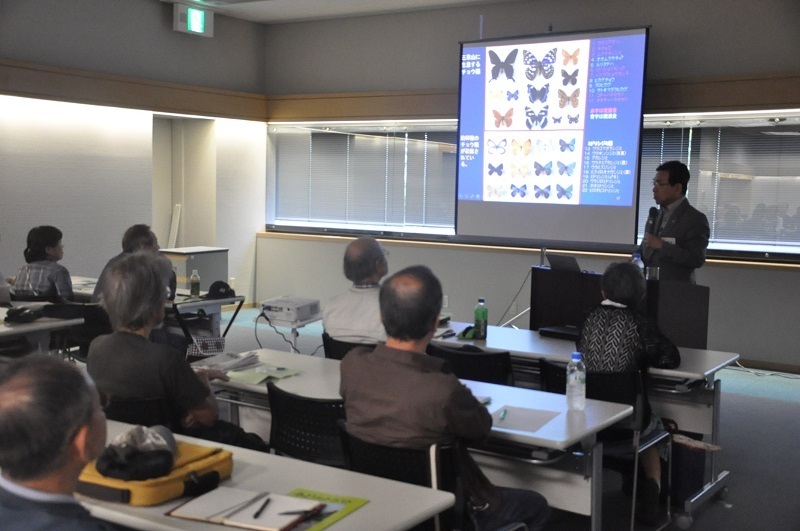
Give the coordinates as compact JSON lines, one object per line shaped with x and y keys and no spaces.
{"x":616,"y":338}
{"x":51,"y":425}
{"x":354,"y":316}
{"x":137,"y":238}
{"x":42,"y":276}
{"x":397,"y":395}
{"x":126,"y":365}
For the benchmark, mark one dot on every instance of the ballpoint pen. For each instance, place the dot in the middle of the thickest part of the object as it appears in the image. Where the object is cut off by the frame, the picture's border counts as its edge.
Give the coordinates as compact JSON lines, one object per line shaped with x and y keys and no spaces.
{"x":263,"y":506}
{"x":304,"y":515}
{"x":239,"y":506}
{"x":503,"y":414}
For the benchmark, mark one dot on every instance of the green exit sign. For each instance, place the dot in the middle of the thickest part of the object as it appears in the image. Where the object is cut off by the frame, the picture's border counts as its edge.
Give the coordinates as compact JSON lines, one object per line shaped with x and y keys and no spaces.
{"x":196,"y":20}
{"x":193,"y":20}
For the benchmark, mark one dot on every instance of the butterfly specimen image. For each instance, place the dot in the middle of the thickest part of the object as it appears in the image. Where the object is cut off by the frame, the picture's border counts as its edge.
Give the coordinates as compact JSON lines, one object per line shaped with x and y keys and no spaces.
{"x":547,"y":169}
{"x":564,"y":192}
{"x":512,"y":95}
{"x":521,"y":190}
{"x":496,"y":94}
{"x":536,"y":118}
{"x":537,"y":67}
{"x":503,"y":119}
{"x":535,"y":94}
{"x":570,"y":56}
{"x":496,"y":169}
{"x":544,"y":146}
{"x":521,"y":171}
{"x":497,"y":147}
{"x":491,"y":191}
{"x":539,"y":192}
{"x":572,"y":99}
{"x":569,"y":79}
{"x":564,"y":145}
{"x":521,"y":148}
{"x":506,"y":67}
{"x":566,"y":168}
{"x":573,"y":119}
{"x":557,"y":119}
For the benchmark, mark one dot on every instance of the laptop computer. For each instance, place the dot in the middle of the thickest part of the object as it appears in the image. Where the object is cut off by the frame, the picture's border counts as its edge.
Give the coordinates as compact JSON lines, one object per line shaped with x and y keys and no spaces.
{"x":561,"y":262}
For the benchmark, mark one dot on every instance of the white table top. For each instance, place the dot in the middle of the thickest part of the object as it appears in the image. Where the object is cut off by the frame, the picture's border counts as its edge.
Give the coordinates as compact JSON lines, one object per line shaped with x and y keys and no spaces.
{"x":320,"y":379}
{"x":392,"y":504}
{"x":696,"y":364}
{"x":43,"y":324}
{"x":187,"y":303}
{"x":564,"y":430}
{"x":83,"y":288}
{"x":194,"y":250}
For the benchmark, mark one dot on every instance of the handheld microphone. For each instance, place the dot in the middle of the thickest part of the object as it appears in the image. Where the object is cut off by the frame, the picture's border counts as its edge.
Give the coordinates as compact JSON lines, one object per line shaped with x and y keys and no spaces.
{"x":651,"y":219}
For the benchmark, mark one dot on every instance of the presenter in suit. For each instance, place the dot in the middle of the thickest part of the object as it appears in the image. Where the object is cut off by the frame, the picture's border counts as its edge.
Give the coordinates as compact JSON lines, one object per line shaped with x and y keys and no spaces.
{"x":676,"y":235}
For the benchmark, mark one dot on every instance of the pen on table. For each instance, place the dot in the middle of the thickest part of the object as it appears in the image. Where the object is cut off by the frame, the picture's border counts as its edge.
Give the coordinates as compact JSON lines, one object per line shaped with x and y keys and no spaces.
{"x":503,"y":414}
{"x":245,"y":505}
{"x":263,"y":506}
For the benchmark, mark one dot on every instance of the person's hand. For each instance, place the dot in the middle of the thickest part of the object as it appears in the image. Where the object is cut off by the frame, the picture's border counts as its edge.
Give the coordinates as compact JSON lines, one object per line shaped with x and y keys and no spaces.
{"x":206,"y":375}
{"x":214,"y":374}
{"x":653,"y":241}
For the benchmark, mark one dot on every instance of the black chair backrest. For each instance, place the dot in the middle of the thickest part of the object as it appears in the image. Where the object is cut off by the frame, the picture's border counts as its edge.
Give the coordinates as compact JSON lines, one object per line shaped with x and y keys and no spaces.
{"x":552,"y":376}
{"x":471,"y":363}
{"x":14,"y":347}
{"x":34,"y":298}
{"x":144,"y":411}
{"x":306,"y":428}
{"x":434,"y":467}
{"x":620,"y":387}
{"x":335,"y":349}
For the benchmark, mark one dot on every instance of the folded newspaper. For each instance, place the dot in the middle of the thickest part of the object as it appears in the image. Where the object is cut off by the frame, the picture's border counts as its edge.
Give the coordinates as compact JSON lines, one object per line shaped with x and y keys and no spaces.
{"x":228,"y":361}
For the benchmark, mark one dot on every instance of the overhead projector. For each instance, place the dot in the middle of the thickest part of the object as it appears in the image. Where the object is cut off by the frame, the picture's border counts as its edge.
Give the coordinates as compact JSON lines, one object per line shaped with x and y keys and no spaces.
{"x":291,"y":309}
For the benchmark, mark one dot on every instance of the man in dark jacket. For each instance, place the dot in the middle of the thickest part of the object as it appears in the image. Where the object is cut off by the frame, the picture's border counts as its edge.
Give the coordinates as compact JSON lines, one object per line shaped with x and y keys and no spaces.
{"x":51,"y":425}
{"x":678,"y":239}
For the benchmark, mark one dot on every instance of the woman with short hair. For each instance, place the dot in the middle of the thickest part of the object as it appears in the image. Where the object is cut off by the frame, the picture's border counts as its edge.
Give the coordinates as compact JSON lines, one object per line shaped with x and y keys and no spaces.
{"x":42,"y":277}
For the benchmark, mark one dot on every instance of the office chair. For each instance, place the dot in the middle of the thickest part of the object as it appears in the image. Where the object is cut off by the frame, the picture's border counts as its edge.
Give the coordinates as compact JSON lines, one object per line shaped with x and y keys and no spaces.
{"x":435,"y":467}
{"x":34,"y":298}
{"x":144,"y":411}
{"x":335,"y":349}
{"x":14,"y":347}
{"x":625,"y":438}
{"x":471,"y":363}
{"x":306,"y":428}
{"x":95,"y":323}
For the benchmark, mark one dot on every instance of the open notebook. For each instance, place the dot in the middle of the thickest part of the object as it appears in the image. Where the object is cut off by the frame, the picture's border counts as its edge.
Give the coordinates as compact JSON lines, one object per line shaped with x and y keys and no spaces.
{"x":245,"y":508}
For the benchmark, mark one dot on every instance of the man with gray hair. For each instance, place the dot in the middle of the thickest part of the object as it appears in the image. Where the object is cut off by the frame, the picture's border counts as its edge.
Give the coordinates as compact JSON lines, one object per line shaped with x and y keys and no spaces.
{"x":51,"y":426}
{"x":354,"y":316}
{"x":126,"y":365}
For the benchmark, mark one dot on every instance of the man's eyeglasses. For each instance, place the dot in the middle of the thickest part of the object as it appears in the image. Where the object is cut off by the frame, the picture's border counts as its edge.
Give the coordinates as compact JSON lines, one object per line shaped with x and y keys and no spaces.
{"x":660,"y":184}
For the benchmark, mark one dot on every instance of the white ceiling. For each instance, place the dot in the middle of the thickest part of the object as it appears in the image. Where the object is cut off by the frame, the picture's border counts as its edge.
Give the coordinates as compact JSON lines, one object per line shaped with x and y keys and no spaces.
{"x":275,"y":11}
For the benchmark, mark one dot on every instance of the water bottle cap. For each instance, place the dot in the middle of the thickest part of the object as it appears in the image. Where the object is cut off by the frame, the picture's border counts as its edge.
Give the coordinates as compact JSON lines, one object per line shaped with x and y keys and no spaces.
{"x":480,"y":300}
{"x":576,"y":356}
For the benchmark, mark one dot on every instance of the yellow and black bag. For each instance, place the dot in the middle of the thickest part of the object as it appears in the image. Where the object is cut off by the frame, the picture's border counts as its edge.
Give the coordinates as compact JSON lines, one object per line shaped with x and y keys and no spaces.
{"x":197,"y":469}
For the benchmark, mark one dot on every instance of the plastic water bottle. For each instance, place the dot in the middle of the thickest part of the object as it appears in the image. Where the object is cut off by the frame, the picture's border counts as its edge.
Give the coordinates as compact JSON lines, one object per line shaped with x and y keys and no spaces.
{"x":194,"y":284}
{"x":576,"y":383}
{"x":637,"y":259}
{"x":481,"y":320}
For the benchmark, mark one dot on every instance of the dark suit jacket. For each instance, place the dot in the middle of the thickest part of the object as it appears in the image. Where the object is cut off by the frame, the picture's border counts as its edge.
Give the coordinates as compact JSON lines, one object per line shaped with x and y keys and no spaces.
{"x":21,"y":513}
{"x":678,"y":261}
